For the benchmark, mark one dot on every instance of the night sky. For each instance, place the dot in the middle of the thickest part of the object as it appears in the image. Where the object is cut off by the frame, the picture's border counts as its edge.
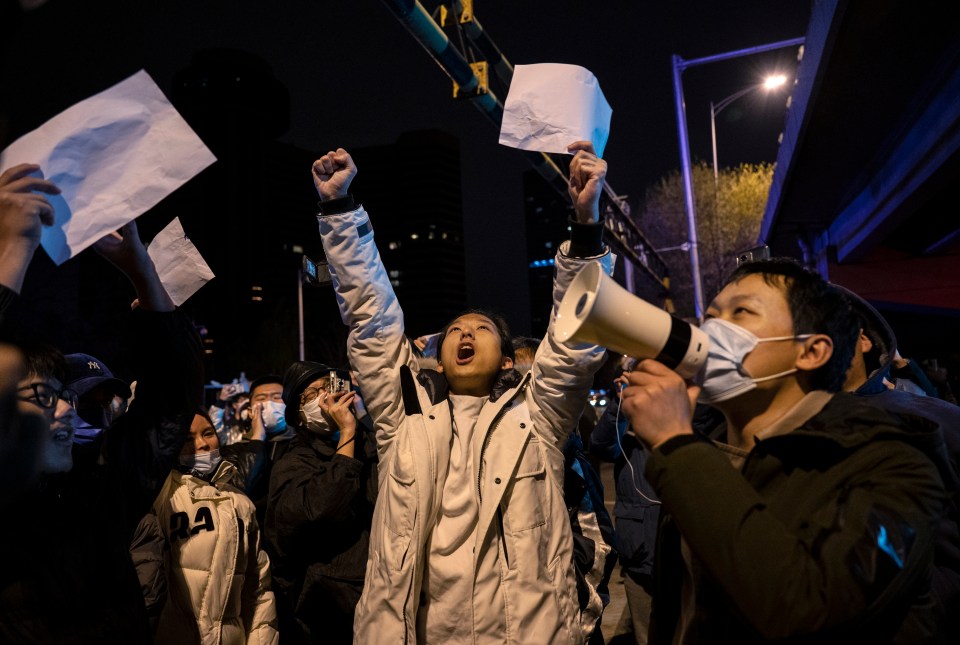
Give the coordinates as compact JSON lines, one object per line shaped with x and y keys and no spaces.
{"x":357,"y":78}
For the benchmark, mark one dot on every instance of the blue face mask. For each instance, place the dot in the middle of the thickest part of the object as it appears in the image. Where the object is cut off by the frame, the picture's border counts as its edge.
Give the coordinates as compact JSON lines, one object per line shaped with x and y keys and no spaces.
{"x":84,"y":433}
{"x":274,"y":420}
{"x":724,"y":376}
{"x":202,"y":462}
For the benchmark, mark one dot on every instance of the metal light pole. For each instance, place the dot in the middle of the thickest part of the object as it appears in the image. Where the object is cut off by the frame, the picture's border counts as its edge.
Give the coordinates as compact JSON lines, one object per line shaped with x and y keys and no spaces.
{"x":679,"y":65}
{"x":300,"y":312}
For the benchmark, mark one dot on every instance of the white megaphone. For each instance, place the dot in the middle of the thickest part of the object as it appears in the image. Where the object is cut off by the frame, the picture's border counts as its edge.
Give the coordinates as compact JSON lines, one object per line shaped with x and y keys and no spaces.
{"x":599,"y":311}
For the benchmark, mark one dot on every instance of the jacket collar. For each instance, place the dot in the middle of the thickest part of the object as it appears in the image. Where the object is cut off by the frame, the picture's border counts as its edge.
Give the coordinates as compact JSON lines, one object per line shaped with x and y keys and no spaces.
{"x":438,"y":389}
{"x":847,"y":422}
{"x":223,"y":473}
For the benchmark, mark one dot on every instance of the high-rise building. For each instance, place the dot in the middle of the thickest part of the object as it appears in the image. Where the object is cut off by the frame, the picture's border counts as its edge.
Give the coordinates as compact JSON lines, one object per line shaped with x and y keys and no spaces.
{"x":412,"y":191}
{"x":547,"y":214}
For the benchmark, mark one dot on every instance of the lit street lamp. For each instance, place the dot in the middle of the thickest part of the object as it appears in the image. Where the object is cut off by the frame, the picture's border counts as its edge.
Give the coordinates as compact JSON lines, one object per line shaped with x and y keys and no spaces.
{"x":769,"y":84}
{"x":679,"y":65}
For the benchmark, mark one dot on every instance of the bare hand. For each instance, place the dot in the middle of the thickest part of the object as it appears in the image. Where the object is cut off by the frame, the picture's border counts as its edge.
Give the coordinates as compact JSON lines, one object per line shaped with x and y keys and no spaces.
{"x":587,"y":173}
{"x":337,"y":407}
{"x":22,"y":216}
{"x":658,"y":402}
{"x":19,"y":179}
{"x":124,"y":249}
{"x":258,"y":431}
{"x":899,"y":362}
{"x":332,"y":174}
{"x":23,"y":213}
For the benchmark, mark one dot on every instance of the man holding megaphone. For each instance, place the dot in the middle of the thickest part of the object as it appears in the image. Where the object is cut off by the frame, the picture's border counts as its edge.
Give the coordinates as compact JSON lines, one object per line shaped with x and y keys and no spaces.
{"x":811,"y":514}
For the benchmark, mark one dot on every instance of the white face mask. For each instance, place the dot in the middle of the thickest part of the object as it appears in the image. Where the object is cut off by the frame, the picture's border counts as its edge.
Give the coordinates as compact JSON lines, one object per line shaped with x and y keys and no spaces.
{"x":724,"y":376}
{"x":273,"y":420}
{"x":315,"y":421}
{"x":202,"y":462}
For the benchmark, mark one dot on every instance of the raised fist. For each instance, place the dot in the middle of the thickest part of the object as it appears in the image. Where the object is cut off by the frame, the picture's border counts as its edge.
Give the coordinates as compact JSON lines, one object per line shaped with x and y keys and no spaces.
{"x":332,"y":174}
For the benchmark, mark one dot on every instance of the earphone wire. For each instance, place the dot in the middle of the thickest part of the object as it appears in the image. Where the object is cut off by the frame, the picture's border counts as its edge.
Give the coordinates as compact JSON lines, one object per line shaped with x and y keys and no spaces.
{"x":633,"y":473}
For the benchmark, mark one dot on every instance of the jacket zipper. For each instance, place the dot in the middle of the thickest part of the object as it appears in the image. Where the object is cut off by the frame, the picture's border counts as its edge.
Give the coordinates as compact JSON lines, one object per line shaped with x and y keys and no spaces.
{"x":493,"y":426}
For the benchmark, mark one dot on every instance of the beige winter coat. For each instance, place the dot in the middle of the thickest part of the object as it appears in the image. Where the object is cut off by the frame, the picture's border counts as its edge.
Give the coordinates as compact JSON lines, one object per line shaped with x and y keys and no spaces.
{"x":524,"y":545}
{"x":200,"y":563}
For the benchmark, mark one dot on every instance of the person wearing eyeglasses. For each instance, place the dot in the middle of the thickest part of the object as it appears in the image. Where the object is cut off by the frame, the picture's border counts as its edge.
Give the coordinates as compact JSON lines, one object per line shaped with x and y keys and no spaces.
{"x":322,"y":494}
{"x":42,"y":392}
{"x":68,"y":577}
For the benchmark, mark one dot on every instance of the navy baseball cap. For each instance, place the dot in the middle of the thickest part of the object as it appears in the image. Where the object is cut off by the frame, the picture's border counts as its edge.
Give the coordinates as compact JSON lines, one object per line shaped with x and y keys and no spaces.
{"x":84,"y":372}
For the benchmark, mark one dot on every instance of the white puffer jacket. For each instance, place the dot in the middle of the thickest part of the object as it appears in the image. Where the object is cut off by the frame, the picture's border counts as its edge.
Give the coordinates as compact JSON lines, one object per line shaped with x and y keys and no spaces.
{"x":200,"y":564}
{"x":523,"y":549}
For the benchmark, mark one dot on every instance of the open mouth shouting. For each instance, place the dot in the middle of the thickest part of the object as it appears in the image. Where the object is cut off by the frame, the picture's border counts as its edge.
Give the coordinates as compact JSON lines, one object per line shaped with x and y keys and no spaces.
{"x":465,"y":352}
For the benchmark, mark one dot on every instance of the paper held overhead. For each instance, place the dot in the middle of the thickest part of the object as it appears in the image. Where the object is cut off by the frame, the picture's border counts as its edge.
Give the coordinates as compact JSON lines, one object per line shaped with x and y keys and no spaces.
{"x":114,"y":156}
{"x":181,"y":268}
{"x":550,"y":105}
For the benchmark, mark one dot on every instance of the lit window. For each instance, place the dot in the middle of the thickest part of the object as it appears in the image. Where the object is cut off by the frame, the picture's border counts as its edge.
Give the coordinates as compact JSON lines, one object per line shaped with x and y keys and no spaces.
{"x":414,"y":236}
{"x":297,"y":248}
{"x":394,"y":274}
{"x":393,"y":246}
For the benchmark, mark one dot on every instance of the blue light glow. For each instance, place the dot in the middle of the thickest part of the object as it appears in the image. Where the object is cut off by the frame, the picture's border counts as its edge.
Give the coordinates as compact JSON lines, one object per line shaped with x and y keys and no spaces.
{"x":883,"y":541}
{"x":542,"y":263}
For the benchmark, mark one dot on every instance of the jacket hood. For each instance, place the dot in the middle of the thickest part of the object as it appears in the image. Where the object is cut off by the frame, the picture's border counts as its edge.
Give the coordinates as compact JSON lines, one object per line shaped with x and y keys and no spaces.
{"x":848,"y":421}
{"x":880,"y":358}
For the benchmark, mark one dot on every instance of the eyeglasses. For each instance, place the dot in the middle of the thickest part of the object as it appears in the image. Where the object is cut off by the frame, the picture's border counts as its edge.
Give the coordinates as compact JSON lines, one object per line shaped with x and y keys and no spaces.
{"x":47,"y":396}
{"x":310,"y":394}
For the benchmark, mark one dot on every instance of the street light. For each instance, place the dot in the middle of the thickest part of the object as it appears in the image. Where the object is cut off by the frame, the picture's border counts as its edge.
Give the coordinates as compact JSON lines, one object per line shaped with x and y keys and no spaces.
{"x":679,"y":65}
{"x":769,"y":84}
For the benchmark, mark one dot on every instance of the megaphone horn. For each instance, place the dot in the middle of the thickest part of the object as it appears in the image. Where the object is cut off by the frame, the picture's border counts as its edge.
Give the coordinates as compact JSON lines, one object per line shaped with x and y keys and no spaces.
{"x":598,"y":311}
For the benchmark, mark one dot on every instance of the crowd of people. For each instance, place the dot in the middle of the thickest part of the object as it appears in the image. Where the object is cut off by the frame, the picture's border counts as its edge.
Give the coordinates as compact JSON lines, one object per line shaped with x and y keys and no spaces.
{"x":803,"y":488}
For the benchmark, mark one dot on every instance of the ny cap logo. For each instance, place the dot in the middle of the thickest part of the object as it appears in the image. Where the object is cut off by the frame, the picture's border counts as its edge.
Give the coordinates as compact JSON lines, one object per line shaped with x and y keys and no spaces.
{"x":93,"y":365}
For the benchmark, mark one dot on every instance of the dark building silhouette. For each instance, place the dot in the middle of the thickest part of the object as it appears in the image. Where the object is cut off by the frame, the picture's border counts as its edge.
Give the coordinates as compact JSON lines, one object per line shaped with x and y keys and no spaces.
{"x":547,"y":214}
{"x":412,"y":191}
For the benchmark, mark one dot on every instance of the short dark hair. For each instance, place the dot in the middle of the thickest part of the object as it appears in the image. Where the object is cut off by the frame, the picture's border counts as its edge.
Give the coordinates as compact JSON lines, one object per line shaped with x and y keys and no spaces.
{"x":506,"y":340}
{"x":266,"y":379}
{"x":816,"y":307}
{"x":44,"y":361}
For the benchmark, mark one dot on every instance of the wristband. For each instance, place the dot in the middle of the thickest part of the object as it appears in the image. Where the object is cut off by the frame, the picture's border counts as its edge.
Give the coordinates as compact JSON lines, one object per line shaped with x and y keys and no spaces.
{"x":345,"y":443}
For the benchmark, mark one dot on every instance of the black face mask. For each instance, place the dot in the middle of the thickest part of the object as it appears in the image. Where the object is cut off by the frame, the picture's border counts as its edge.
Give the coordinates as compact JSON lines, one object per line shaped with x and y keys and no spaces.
{"x":95,"y":415}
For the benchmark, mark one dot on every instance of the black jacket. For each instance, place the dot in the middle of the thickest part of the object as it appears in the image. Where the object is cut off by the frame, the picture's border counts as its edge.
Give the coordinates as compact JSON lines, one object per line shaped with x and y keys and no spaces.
{"x":68,"y":576}
{"x":318,"y":532}
{"x":825,"y":535}
{"x":946,"y":559}
{"x":255,"y":461}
